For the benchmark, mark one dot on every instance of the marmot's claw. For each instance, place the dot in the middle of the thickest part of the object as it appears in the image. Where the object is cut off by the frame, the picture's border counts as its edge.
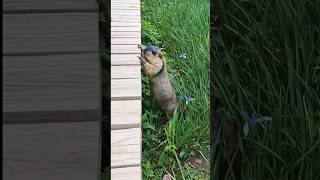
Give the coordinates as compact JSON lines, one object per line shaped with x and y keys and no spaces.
{"x":140,"y":46}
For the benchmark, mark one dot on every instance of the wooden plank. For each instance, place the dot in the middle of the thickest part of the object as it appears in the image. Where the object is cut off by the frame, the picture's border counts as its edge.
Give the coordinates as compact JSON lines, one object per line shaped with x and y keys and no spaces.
{"x":126,"y":19}
{"x":129,"y":12}
{"x":51,"y":151}
{"x":125,"y":88}
{"x":128,"y":3}
{"x":122,"y":24}
{"x":126,"y":34}
{"x":50,"y":33}
{"x":125,"y":49}
{"x":118,"y":7}
{"x":133,"y":41}
{"x":124,"y":59}
{"x":32,"y":5}
{"x":125,"y":147}
{"x":125,"y":7}
{"x":125,"y":72}
{"x":55,"y":82}
{"x":130,"y":28}
{"x":125,"y":114}
{"x":123,"y":173}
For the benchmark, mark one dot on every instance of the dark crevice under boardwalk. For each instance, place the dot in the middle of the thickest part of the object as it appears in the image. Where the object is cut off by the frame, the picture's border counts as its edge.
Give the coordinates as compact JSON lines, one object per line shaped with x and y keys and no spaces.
{"x":125,"y":90}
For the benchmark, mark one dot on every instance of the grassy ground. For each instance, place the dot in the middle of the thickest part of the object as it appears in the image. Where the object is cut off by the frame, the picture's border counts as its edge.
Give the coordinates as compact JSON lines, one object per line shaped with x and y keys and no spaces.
{"x":178,"y":26}
{"x":267,"y":61}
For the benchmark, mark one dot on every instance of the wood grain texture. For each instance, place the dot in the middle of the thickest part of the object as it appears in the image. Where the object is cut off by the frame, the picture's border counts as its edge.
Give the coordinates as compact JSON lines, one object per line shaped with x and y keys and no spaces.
{"x":126,"y":34}
{"x":125,"y":3}
{"x":53,"y":82}
{"x":50,"y":33}
{"x":125,"y":88}
{"x":125,"y":29}
{"x":125,"y":147}
{"x":133,"y":41}
{"x":125,"y":49}
{"x":119,"y":7}
{"x":123,"y":24}
{"x":124,"y":59}
{"x":51,"y":151}
{"x":125,"y":72}
{"x":134,"y":173}
{"x":125,"y":114}
{"x":23,"y":5}
{"x":128,"y":12}
{"x":126,"y":19}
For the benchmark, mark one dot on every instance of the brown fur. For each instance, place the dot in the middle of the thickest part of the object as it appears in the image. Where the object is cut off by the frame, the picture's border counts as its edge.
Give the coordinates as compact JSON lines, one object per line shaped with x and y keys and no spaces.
{"x":155,"y":68}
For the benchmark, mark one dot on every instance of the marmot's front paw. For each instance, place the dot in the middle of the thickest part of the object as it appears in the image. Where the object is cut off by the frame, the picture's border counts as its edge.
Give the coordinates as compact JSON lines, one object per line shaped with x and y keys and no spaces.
{"x":142,"y":60}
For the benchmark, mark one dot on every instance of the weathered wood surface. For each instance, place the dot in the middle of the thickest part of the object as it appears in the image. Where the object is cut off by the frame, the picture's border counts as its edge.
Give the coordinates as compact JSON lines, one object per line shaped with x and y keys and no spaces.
{"x":125,"y":90}
{"x":124,"y":59}
{"x":128,"y":34}
{"x":125,"y":72}
{"x":125,"y":29}
{"x":119,"y":41}
{"x":125,"y":114}
{"x":51,"y":83}
{"x":125,"y":49}
{"x":134,"y":173}
{"x":21,"y":6}
{"x":50,"y":33}
{"x":126,"y":144}
{"x":125,"y":24}
{"x":51,"y":151}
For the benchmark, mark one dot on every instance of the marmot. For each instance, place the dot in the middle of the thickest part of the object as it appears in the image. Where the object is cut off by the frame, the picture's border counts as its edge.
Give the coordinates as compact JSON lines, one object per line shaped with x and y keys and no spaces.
{"x":154,"y":67}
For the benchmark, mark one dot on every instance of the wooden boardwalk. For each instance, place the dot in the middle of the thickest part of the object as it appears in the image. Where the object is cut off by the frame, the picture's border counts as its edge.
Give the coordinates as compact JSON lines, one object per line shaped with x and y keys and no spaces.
{"x":125,"y":90}
{"x":51,"y":90}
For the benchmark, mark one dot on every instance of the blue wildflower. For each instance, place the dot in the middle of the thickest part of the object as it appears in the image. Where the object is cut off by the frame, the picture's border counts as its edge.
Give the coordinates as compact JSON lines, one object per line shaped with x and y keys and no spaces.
{"x":251,"y":119}
{"x":183,"y":56}
{"x":189,"y":99}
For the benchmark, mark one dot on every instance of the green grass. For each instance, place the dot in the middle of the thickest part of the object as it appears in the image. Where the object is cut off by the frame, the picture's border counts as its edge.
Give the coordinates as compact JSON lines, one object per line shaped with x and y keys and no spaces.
{"x":178,"y":26}
{"x":267,"y":60}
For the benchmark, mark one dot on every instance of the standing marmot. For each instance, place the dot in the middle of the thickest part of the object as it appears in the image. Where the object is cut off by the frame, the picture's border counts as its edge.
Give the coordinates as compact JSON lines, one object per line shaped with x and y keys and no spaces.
{"x":154,"y":67}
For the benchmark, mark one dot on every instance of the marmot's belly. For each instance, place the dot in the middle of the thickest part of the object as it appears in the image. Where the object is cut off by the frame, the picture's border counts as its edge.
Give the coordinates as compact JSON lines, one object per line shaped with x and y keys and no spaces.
{"x":165,"y":95}
{"x":162,"y":89}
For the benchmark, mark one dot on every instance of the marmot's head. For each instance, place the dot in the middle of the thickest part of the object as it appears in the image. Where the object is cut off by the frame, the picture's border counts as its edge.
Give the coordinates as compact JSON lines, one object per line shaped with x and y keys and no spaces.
{"x":153,"y":55}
